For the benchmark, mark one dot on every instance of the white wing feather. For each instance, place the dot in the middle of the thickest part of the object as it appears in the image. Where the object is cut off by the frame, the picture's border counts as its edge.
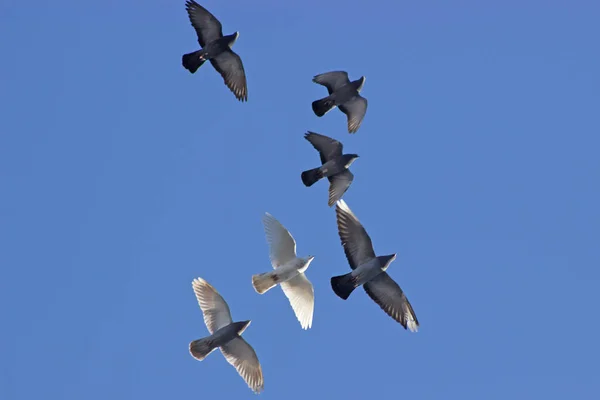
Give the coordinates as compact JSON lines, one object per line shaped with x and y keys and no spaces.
{"x":282,"y":246}
{"x":301,"y":295}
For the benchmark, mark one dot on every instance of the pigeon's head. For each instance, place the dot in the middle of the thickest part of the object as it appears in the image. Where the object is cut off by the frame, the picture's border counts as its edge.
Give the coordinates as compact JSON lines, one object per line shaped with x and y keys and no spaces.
{"x":241,"y":326}
{"x":349,"y":159}
{"x":359,"y":83}
{"x":385,"y":261}
{"x":232,"y":38}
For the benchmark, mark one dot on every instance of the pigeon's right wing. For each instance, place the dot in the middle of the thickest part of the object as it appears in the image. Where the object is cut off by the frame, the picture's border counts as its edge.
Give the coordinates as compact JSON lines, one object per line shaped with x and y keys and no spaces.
{"x":242,"y":356}
{"x":282,"y":246}
{"x":207,"y":27}
{"x":332,"y":80}
{"x":355,"y":110}
{"x":338,"y":185}
{"x":215,"y":309}
{"x":386,"y":292}
{"x":301,"y":295}
{"x":355,"y":240}
{"x":230,"y":66}
{"x":327,"y":147}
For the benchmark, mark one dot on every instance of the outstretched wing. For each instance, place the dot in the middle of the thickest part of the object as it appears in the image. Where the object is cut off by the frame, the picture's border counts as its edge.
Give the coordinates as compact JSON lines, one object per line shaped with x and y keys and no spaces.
{"x":386,"y":292}
{"x":207,"y":27}
{"x":242,"y":356}
{"x":338,"y":185}
{"x":230,"y":66}
{"x":355,"y":240}
{"x":355,"y":109}
{"x":215,"y":309}
{"x":332,"y":80}
{"x":301,"y":295}
{"x":327,"y":147}
{"x":282,"y":246}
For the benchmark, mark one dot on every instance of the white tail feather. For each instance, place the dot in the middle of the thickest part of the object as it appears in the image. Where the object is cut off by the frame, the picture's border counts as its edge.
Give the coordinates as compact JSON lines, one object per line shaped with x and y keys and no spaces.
{"x":264,"y":282}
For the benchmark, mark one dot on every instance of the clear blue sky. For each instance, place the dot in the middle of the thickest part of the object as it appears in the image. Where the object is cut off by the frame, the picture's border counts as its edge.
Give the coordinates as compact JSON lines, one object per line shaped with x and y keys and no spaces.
{"x":124,"y":177}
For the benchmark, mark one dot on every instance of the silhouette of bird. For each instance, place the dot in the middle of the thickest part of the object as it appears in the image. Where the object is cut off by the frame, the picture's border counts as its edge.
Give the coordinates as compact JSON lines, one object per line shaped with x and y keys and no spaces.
{"x":225,"y":335}
{"x":342,"y":94}
{"x":288,"y":273}
{"x":216,"y":48}
{"x":334,"y":166}
{"x":369,"y":270}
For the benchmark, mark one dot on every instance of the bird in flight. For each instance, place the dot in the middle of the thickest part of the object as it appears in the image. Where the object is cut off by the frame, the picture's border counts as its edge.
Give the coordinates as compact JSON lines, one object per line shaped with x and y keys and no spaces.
{"x":334,"y":166}
{"x":342,"y":94}
{"x":369,"y":270}
{"x":225,"y":335}
{"x":216,"y":48}
{"x":288,"y":271}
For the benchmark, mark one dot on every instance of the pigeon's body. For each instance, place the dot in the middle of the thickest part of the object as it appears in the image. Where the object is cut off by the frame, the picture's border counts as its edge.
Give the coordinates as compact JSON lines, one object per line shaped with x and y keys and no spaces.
{"x":226,"y":335}
{"x":288,"y":271}
{"x":343,"y":94}
{"x":216,"y":48}
{"x":334,"y":166}
{"x":369,"y":271}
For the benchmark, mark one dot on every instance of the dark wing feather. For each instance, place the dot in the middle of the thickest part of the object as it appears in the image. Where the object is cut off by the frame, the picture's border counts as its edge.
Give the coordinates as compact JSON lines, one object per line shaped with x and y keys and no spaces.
{"x":207,"y":27}
{"x":386,"y":292}
{"x":230,"y":66}
{"x":332,"y":80}
{"x":355,"y":240}
{"x":355,"y":109}
{"x":327,"y":147}
{"x":338,"y":185}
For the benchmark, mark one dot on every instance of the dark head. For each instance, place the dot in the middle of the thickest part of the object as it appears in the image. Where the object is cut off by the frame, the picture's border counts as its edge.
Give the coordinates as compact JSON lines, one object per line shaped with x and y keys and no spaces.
{"x":241,"y":326}
{"x":359,"y":83}
{"x":230,"y":39}
{"x":385,"y":261}
{"x":348,"y":159}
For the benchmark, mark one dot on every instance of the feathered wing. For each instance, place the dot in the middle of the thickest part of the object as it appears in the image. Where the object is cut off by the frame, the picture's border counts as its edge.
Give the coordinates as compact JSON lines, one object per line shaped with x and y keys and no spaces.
{"x":301,"y":295}
{"x":242,"y":356}
{"x":332,"y":80}
{"x":338,"y":185}
{"x":230,"y":66}
{"x":355,"y":240}
{"x":208,"y":28}
{"x":215,"y":309}
{"x":387,"y":293}
{"x":355,"y":109}
{"x":282,"y":246}
{"x":327,"y":147}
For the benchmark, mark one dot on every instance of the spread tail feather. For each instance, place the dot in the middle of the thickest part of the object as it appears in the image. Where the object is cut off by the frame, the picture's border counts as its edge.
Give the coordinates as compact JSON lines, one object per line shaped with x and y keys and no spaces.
{"x":192,"y":61}
{"x":264,"y":282}
{"x":343,"y":285}
{"x":322,"y":107}
{"x":311,"y":176}
{"x":200,"y":348}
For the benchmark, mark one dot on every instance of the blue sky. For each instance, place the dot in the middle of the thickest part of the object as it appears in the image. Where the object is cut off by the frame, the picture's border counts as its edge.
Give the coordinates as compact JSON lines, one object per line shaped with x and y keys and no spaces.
{"x":124,"y":177}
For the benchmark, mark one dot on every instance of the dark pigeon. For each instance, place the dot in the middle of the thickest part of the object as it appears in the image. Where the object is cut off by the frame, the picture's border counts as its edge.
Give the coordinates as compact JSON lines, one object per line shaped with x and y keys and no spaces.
{"x":334,"y":166}
{"x":369,"y":271}
{"x":217,"y":49}
{"x":343,"y":94}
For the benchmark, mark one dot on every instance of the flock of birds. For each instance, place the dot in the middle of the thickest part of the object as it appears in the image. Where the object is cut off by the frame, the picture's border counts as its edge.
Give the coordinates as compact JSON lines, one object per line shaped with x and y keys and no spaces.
{"x":368,"y":269}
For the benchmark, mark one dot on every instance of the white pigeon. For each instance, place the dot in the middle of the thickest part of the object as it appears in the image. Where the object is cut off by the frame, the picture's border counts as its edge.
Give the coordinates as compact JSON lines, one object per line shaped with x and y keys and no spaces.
{"x":225,"y":335}
{"x":288,"y":273}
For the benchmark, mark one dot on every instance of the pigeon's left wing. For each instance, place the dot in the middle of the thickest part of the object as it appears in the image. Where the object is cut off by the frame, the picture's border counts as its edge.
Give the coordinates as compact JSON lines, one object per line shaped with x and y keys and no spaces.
{"x":214,"y":307}
{"x":355,"y":109}
{"x":338,"y":185}
{"x":355,"y":240}
{"x":301,"y":295}
{"x":386,"y":292}
{"x":332,"y":80}
{"x":327,"y":147}
{"x":282,"y":246}
{"x":242,"y":356}
{"x":207,"y":27}
{"x":230,"y":66}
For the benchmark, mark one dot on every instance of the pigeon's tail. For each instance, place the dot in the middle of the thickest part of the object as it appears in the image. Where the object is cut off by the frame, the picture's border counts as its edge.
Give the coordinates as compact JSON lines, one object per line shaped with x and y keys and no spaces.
{"x":343,"y":285}
{"x":192,"y":61}
{"x":264,"y":282}
{"x":321,"y":107}
{"x":200,"y":348}
{"x":311,"y":176}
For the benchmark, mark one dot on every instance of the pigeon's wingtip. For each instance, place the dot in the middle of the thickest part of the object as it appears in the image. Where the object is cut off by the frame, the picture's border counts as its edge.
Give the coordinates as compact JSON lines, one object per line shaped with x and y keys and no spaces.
{"x":412,"y":326}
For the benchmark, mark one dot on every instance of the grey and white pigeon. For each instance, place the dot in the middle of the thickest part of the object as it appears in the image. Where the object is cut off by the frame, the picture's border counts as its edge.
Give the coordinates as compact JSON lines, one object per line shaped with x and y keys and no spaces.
{"x":369,"y":270}
{"x":343,"y":94}
{"x":334,"y":166}
{"x":226,"y":335}
{"x":288,"y":273}
{"x":216,"y":48}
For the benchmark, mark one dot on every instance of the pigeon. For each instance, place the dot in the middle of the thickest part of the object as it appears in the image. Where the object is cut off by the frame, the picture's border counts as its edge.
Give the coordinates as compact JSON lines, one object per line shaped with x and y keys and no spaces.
{"x":343,"y":94}
{"x":334,"y":166}
{"x":217,"y":49}
{"x":225,"y":334}
{"x":368,"y":270}
{"x":289,"y":271}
